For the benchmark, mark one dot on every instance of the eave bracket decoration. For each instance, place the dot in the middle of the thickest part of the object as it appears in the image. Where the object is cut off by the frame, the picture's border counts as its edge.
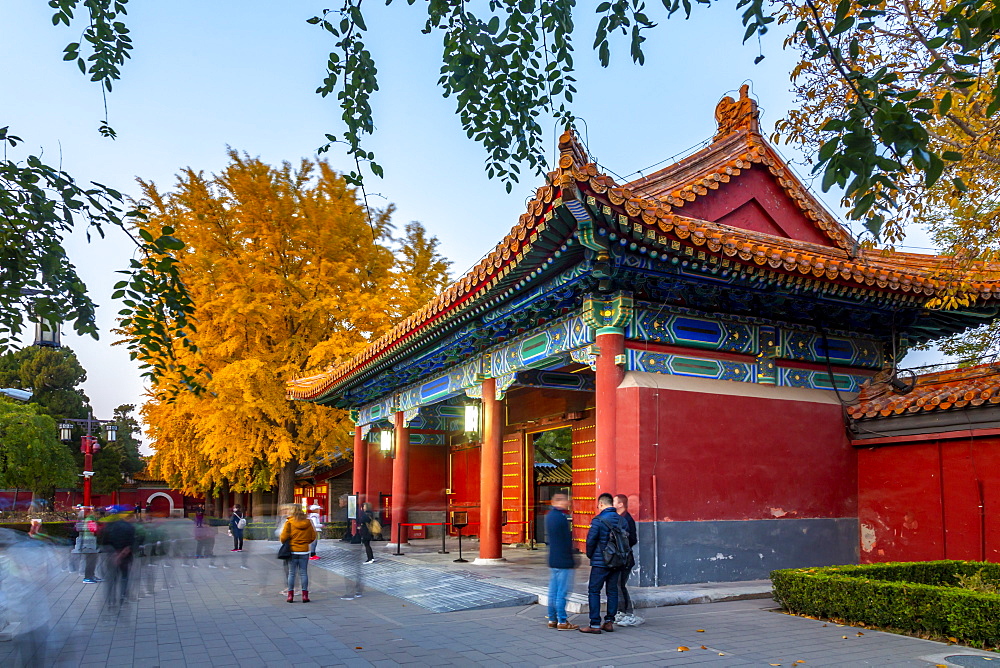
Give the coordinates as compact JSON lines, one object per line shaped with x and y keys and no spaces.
{"x":608,"y":315}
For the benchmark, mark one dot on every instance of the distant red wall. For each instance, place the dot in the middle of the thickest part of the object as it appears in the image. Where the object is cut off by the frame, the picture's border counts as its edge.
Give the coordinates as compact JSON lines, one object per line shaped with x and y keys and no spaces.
{"x":465,"y":486}
{"x":921,"y":500}
{"x":728,"y":457}
{"x":379,"y":475}
{"x":428,"y":477}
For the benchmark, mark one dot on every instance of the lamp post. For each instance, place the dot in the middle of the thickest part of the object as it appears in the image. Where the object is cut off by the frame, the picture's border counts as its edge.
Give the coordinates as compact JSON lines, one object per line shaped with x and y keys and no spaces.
{"x":88,"y":446}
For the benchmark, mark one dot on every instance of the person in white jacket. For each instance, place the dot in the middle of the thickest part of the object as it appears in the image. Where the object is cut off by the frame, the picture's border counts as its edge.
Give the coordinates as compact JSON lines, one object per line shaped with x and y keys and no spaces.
{"x":318,"y":525}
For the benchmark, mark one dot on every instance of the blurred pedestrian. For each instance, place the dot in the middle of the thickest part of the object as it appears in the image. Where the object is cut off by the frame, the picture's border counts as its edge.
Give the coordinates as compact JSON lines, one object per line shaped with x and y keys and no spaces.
{"x":318,"y":526}
{"x":86,"y":545}
{"x":561,"y":561}
{"x":237,"y":522}
{"x":300,"y":532}
{"x":365,"y":525}
{"x":119,"y":536}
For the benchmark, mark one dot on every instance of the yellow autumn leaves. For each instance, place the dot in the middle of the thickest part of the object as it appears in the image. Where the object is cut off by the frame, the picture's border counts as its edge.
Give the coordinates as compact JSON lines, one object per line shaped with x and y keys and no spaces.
{"x":289,"y":274}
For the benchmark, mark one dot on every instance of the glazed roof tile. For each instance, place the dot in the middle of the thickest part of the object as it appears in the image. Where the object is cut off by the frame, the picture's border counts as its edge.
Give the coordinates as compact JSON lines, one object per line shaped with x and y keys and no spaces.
{"x":653,"y":202}
{"x":941,"y":391}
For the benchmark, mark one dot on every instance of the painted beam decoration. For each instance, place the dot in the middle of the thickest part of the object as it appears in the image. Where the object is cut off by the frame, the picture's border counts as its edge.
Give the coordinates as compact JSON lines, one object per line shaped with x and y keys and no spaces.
{"x":690,"y":365}
{"x":687,"y":330}
{"x":537,"y":348}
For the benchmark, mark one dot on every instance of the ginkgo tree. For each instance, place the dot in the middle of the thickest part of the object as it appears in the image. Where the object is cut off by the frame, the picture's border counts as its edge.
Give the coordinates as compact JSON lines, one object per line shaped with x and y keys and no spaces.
{"x":960,"y":210}
{"x":289,"y":273}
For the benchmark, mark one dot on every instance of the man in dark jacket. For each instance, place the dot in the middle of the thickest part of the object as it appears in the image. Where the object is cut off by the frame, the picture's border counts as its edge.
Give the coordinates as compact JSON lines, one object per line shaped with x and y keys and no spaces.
{"x":119,"y":538}
{"x":626,"y":611}
{"x":600,"y":575}
{"x":561,"y":562}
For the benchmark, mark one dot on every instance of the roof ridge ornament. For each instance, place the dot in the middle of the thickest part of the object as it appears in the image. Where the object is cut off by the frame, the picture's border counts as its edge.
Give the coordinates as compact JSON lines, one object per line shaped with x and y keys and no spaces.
{"x":736,"y":115}
{"x":571,"y":150}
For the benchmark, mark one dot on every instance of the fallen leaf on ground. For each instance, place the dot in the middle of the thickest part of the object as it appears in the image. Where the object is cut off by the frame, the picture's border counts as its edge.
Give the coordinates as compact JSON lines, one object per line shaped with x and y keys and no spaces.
{"x":826,"y":625}
{"x":682,"y":648}
{"x":860,"y":634}
{"x":703,"y":647}
{"x":357,"y":648}
{"x":699,"y":630}
{"x":800,"y":661}
{"x":775,"y":664}
{"x":844,"y":637}
{"x":950,"y":639}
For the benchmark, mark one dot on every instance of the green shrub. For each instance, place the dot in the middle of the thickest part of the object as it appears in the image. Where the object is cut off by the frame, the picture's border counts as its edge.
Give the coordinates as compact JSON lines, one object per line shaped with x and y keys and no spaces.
{"x":919,"y":596}
{"x":60,"y":531}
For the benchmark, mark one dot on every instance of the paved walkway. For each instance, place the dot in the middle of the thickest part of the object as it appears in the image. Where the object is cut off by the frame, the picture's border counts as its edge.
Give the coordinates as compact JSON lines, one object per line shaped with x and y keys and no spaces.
{"x":229,"y":616}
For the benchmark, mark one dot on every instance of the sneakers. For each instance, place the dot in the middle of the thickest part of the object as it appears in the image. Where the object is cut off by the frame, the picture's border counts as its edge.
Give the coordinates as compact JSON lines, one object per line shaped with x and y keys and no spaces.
{"x":628,"y":620}
{"x":370,"y":561}
{"x":358,"y":595}
{"x":349,"y":597}
{"x":90,"y":581}
{"x":566,"y":626}
{"x":313,"y":558}
{"x":552,"y":625}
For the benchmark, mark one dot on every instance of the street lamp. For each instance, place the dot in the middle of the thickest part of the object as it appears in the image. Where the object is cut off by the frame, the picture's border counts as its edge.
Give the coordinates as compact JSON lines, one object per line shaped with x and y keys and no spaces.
{"x":88,"y":446}
{"x":385,"y":441}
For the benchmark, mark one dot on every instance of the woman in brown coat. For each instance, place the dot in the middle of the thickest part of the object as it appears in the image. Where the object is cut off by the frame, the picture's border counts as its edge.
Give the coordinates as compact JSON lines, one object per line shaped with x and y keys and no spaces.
{"x":300,"y":531}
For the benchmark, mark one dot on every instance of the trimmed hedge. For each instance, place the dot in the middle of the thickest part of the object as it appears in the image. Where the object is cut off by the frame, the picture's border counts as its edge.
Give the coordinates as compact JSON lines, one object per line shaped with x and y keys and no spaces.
{"x":913,"y":596}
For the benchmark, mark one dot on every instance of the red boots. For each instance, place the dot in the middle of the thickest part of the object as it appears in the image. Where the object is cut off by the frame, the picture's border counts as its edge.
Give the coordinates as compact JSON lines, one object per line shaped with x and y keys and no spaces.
{"x":291,"y":596}
{"x":305,"y":596}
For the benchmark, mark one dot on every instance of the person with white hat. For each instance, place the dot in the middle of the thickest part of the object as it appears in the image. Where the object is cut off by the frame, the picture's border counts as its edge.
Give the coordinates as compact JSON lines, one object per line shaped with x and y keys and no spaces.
{"x":314,"y":518}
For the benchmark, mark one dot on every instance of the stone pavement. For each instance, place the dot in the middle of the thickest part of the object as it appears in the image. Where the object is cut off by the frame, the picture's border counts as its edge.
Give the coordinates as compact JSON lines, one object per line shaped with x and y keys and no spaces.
{"x":527,"y":571}
{"x":237,"y":617}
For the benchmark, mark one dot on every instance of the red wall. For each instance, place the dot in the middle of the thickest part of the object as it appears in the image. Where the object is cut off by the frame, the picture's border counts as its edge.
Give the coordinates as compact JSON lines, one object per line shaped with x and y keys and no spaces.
{"x":921,"y":501}
{"x":729,"y":457}
{"x":379,"y":475}
{"x":754,"y":201}
{"x":465,"y":487}
{"x":428,"y":477}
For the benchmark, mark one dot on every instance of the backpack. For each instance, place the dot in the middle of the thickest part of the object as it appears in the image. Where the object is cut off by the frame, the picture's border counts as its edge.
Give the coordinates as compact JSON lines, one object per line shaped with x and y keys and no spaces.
{"x":617,"y":553}
{"x":375,"y":527}
{"x":241,"y":523}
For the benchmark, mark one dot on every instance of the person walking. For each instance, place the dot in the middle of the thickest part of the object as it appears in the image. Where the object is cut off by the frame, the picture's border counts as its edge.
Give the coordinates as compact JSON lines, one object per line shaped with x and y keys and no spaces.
{"x":237,"y":522}
{"x":120,"y":537}
{"x":626,"y":610}
{"x":317,"y":525}
{"x":561,"y":561}
{"x":365,"y":531}
{"x":300,"y":531}
{"x":600,"y":574}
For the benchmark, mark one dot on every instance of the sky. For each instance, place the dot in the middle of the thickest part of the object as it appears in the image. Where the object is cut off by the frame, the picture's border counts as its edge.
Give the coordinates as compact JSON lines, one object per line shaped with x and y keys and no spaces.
{"x":205,"y":76}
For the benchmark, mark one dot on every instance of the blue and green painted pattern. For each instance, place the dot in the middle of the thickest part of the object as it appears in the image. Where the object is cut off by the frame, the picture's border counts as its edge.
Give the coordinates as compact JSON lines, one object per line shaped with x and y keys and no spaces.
{"x":415,"y":439}
{"x":692,"y":332}
{"x":820,"y":380}
{"x":809,"y":347}
{"x":690,"y":365}
{"x":537,"y":348}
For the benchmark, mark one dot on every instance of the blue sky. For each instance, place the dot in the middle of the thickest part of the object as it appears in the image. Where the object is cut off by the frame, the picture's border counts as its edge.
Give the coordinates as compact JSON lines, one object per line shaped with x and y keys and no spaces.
{"x":207,"y":75}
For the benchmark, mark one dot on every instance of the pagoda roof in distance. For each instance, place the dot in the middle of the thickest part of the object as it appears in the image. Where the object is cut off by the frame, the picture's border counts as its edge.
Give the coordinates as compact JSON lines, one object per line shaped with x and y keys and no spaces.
{"x":655,"y":203}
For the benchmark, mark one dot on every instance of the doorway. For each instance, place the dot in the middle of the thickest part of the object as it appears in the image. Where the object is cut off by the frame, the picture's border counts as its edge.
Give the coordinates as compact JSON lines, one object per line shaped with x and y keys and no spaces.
{"x":553,"y":472}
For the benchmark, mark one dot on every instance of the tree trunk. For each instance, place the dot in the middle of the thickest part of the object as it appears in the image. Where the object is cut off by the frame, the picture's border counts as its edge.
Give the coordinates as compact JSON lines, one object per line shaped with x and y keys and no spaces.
{"x":257,"y":503}
{"x":224,"y":503}
{"x":286,"y":482}
{"x":209,"y":503}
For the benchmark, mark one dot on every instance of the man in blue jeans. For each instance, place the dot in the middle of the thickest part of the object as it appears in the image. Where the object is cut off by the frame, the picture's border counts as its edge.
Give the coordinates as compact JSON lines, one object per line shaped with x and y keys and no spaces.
{"x":561,"y":562}
{"x":600,"y":575}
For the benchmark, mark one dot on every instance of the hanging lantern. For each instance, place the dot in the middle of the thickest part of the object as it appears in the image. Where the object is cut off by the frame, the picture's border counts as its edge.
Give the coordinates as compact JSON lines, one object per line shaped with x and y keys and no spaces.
{"x":471,"y":418}
{"x":65,"y":431}
{"x":111,"y":432}
{"x":385,"y":441}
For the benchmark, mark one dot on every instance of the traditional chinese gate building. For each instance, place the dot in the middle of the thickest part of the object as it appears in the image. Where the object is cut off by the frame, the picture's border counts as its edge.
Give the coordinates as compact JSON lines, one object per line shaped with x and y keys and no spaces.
{"x":694,"y":331}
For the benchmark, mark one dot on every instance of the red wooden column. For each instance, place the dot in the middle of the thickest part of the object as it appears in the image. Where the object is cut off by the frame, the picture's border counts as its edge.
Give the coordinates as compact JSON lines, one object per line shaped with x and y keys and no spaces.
{"x":607,"y":315}
{"x":491,"y":477}
{"x":360,"y":464}
{"x":611,"y":343}
{"x":400,"y":477}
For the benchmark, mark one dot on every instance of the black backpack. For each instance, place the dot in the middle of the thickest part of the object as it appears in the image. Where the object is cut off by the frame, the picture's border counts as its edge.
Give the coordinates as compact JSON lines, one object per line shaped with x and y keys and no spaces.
{"x":617,"y":553}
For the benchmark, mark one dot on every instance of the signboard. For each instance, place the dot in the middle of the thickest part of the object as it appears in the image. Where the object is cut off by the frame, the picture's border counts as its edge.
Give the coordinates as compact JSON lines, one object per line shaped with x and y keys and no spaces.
{"x":459,"y":518}
{"x":352,"y":506}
